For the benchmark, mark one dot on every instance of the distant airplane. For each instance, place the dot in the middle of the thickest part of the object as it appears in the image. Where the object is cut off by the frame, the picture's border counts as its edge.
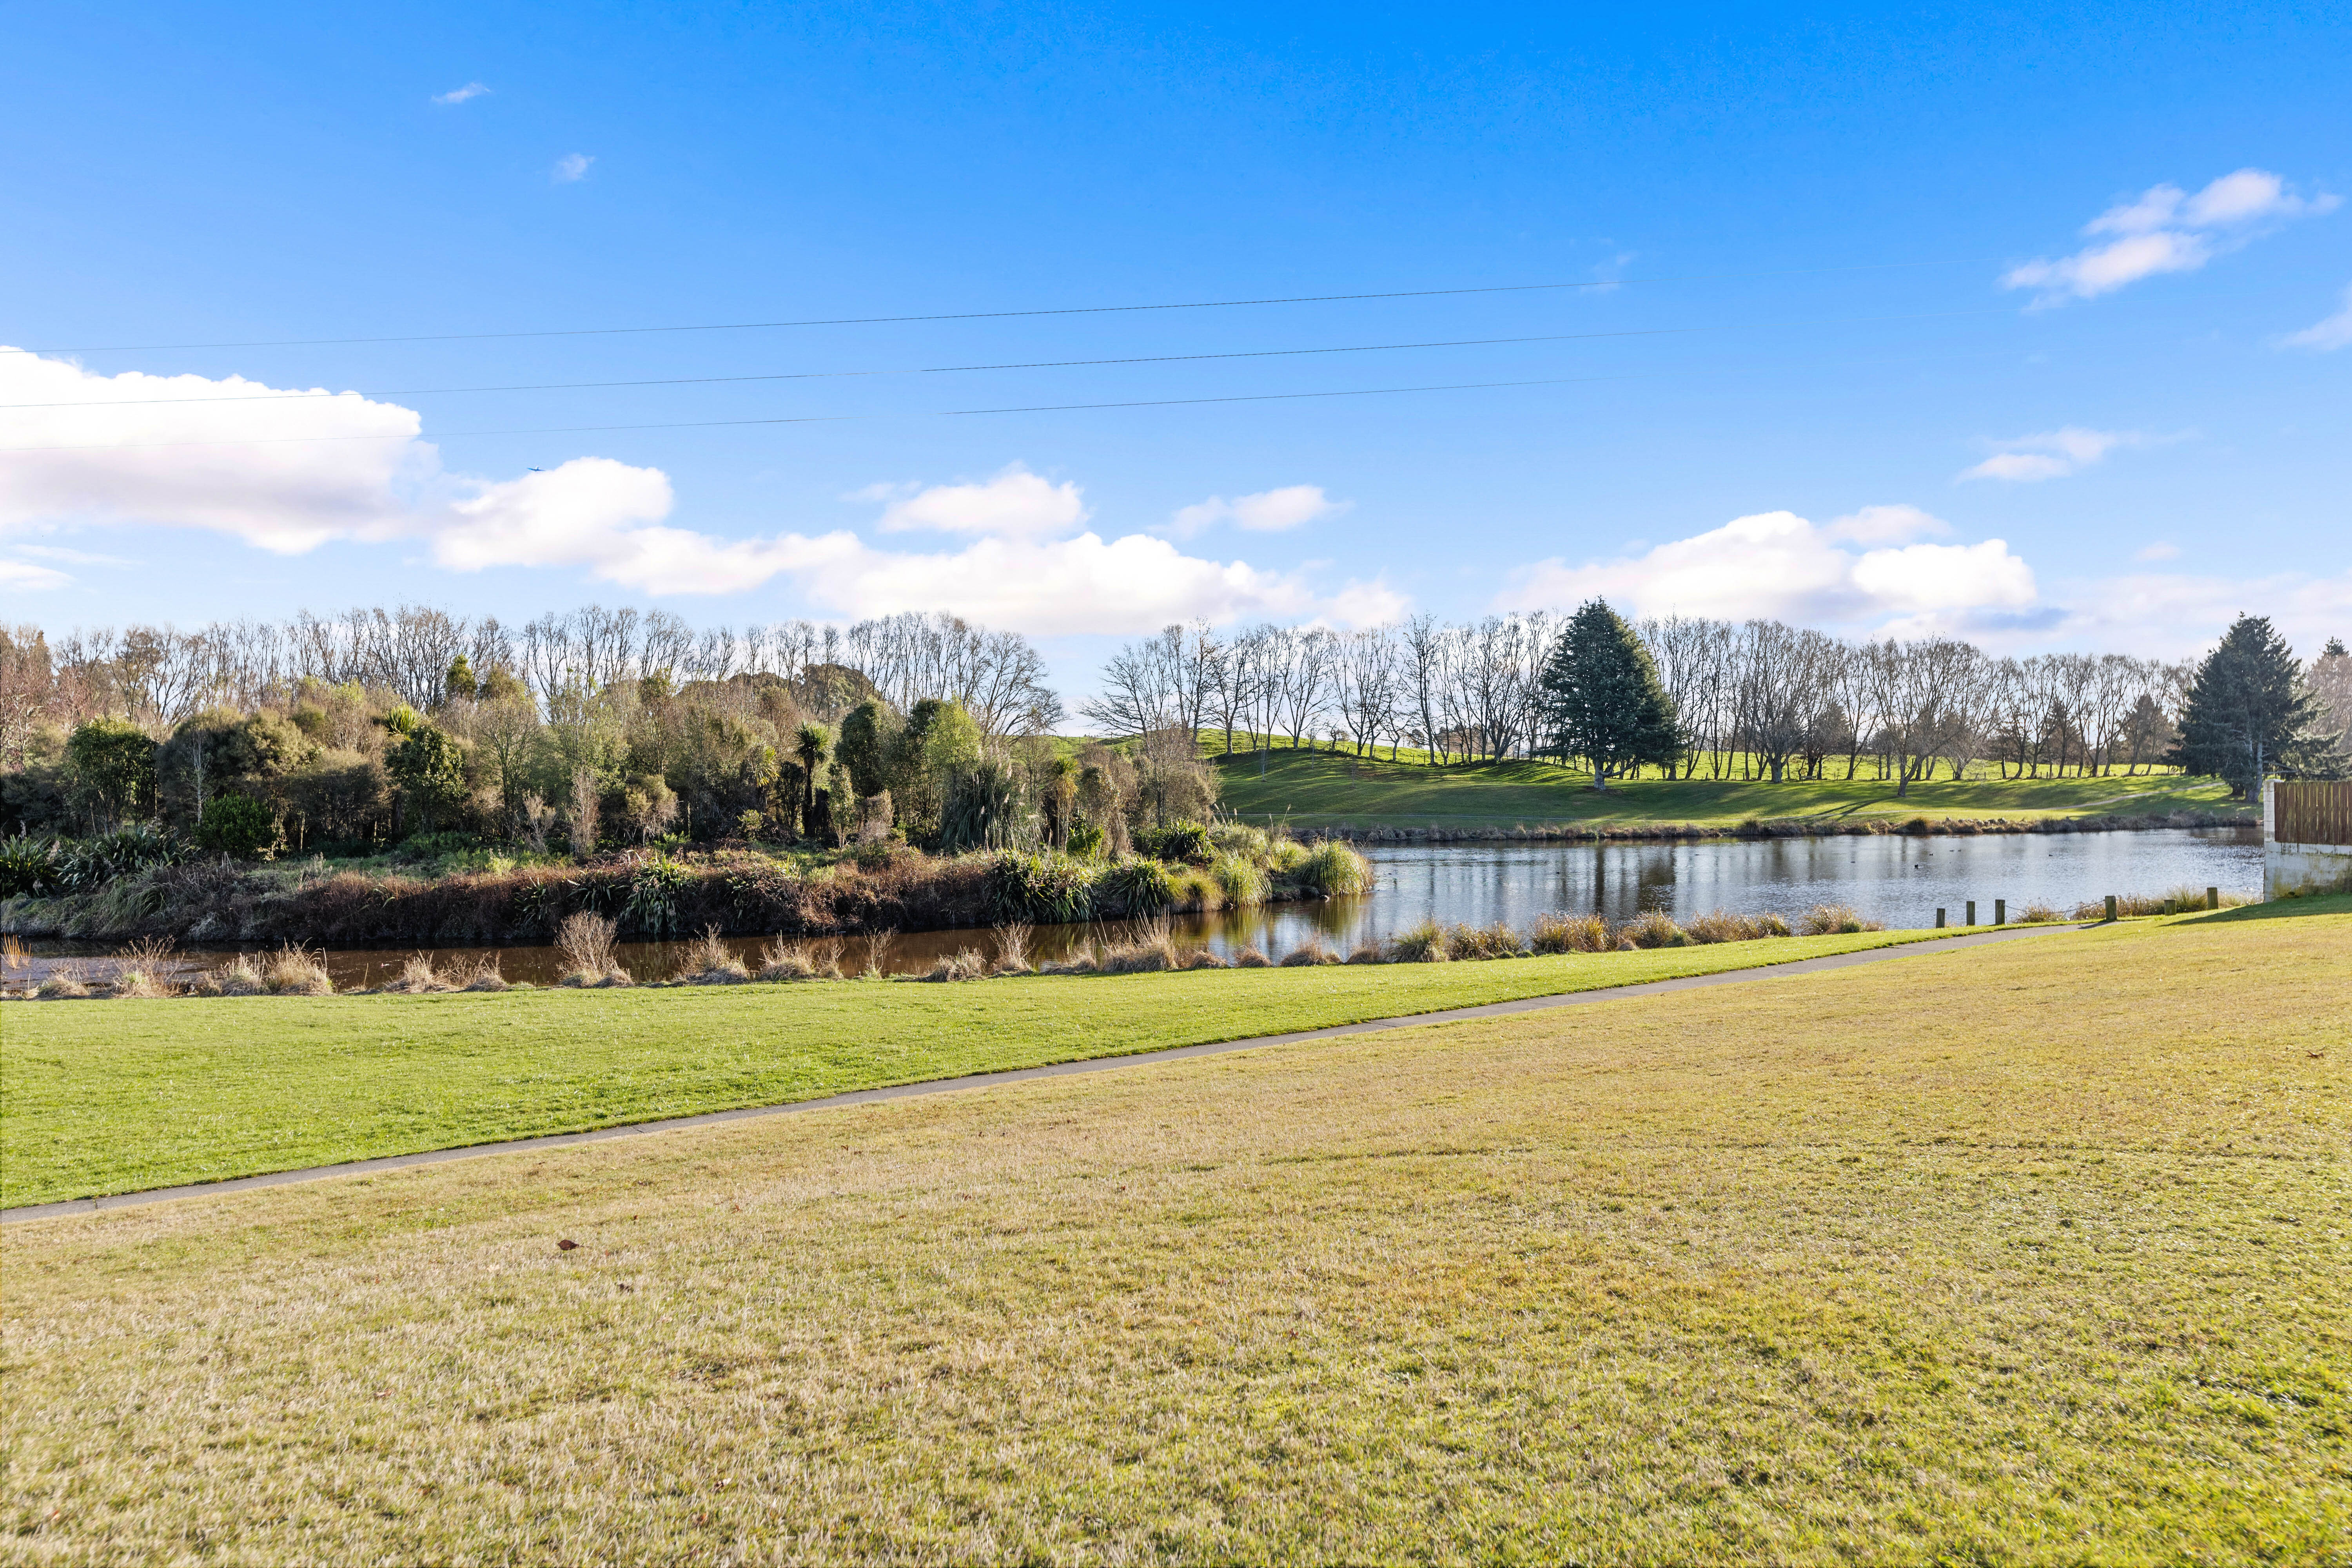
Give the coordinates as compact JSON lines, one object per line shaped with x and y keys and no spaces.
{"x":539,"y":470}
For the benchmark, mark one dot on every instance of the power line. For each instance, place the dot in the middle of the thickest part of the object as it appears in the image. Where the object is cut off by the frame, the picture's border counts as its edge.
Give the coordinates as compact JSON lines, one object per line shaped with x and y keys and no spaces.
{"x":1013,"y":364}
{"x":833,"y":418}
{"x":1001,"y":315}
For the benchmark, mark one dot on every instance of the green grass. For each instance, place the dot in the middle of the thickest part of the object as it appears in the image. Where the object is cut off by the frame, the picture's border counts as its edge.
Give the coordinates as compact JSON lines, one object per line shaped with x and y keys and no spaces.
{"x":1324,"y":789}
{"x":116,"y":1096}
{"x":2035,"y":1254}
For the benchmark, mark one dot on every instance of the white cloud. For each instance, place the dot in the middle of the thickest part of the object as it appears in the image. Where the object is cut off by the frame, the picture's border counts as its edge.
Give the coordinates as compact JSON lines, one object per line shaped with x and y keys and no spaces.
{"x":2053,"y":454}
{"x":1779,"y":564}
{"x":132,"y":461}
{"x":572,"y":166}
{"x":2159,"y":551}
{"x":24,"y":576}
{"x":2166,"y":230}
{"x":1885,"y":525}
{"x":1268,"y":512}
{"x":472,"y":90}
{"x":309,"y":468}
{"x":2329,"y":332}
{"x":2174,"y":615}
{"x":1015,"y":504}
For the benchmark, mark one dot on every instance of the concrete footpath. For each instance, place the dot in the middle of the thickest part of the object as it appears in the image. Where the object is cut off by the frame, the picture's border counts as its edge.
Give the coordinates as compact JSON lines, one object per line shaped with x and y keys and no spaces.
{"x":1016,"y":1075}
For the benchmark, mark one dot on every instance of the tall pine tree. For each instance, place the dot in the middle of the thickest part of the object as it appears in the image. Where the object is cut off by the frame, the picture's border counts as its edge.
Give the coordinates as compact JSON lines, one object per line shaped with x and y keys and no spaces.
{"x":2249,"y":714}
{"x":1601,"y":699}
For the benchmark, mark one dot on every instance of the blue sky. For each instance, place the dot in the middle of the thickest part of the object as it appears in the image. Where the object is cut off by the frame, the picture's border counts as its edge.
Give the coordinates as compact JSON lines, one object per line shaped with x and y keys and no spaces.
{"x":2032,"y":328}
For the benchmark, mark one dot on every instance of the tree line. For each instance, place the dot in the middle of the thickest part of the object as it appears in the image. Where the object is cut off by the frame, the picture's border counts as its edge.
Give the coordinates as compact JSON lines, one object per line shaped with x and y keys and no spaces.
{"x":592,"y":728}
{"x":1750,"y":699}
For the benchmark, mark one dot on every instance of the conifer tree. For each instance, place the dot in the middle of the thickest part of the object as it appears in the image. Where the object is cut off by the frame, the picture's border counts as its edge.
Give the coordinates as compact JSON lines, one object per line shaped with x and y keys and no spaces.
{"x":1602,"y":698}
{"x":2249,"y":713}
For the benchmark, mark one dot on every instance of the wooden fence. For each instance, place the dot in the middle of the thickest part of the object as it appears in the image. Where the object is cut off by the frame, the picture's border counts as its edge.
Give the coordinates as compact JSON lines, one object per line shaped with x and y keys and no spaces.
{"x":2312,"y":814}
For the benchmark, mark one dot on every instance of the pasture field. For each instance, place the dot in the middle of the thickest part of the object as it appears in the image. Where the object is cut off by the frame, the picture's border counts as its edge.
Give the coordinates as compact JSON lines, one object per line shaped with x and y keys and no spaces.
{"x":114,"y":1096}
{"x":1327,"y":789}
{"x":2031,"y":1253}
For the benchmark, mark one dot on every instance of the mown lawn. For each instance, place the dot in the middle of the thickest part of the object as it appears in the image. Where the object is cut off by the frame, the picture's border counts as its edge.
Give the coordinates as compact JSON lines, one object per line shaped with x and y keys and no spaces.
{"x":1323,"y":789}
{"x":107,"y":1096}
{"x":2036,"y":1253}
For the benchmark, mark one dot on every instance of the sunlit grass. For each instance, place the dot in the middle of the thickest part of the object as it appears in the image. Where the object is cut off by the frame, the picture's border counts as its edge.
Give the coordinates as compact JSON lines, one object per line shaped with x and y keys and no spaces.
{"x":112,"y":1096}
{"x":2034,"y":1253}
{"x":1321,"y":789}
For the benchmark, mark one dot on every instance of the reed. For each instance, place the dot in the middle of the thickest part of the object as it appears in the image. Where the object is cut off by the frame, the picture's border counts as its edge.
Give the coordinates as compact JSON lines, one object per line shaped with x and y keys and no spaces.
{"x":1251,"y":958}
{"x":878,"y":954}
{"x":68,"y":982}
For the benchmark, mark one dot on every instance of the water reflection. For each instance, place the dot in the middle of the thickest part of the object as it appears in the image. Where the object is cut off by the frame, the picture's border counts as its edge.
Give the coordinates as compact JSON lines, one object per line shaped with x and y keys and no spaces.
{"x":1895,"y":879}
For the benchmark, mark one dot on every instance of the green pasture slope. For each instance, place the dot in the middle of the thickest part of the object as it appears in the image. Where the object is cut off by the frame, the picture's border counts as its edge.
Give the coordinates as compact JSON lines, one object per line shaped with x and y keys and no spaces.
{"x":118,"y":1096}
{"x":1326,"y":789}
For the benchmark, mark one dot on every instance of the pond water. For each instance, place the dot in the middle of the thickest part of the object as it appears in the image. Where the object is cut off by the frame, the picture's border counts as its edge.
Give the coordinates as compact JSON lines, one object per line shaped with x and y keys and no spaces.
{"x":1897,"y":880}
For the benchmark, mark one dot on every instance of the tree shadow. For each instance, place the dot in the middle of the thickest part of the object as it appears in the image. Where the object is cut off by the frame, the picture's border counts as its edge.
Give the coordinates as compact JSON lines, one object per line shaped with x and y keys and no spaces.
{"x":2277,"y":910}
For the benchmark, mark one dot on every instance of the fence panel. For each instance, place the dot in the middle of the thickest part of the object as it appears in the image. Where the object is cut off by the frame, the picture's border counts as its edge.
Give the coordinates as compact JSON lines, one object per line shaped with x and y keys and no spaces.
{"x":2314,"y":813}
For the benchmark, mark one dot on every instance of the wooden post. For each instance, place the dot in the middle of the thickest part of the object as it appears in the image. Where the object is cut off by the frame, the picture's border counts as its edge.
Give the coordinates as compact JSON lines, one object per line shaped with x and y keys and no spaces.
{"x":2111,"y":905}
{"x":1972,"y":913}
{"x":1940,"y":920}
{"x":2212,"y":898}
{"x":2000,"y":911}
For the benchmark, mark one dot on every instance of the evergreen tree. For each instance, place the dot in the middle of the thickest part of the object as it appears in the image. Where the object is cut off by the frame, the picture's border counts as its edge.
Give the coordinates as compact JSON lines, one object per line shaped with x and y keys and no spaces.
{"x":2249,"y":713}
{"x":1601,"y":699}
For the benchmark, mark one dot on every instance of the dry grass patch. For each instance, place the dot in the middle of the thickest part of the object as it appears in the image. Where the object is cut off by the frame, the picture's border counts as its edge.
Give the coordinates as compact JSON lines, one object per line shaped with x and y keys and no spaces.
{"x":2031,"y":1253}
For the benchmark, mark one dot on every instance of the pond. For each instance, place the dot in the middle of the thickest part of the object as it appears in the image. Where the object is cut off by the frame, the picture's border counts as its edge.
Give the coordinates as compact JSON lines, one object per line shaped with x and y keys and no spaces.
{"x":1897,"y":880}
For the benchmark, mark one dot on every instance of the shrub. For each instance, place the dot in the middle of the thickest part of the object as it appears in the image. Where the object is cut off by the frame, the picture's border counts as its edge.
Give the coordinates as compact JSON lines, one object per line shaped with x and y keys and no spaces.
{"x":29,"y":866}
{"x":1424,"y":943}
{"x":1309,"y":953}
{"x":1570,"y":933}
{"x":88,"y":864}
{"x":1135,"y":889}
{"x":1368,"y":952}
{"x":1087,"y":841}
{"x":2037,"y":913}
{"x":1203,"y":958}
{"x":483,"y":976}
{"x":1655,"y":928}
{"x":1048,"y":890}
{"x":1251,"y":957}
{"x":1181,"y":843}
{"x":1013,"y":948}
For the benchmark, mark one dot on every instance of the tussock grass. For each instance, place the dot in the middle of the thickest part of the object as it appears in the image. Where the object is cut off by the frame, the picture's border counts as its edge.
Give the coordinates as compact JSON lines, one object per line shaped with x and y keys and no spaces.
{"x":709,"y":961}
{"x":1834,"y":919}
{"x":2031,"y":1253}
{"x":586,"y":943}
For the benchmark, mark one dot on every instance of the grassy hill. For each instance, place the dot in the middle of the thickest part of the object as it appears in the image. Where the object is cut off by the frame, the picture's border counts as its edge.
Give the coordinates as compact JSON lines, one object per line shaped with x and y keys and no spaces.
{"x":1324,"y":789}
{"x":2029,"y":1254}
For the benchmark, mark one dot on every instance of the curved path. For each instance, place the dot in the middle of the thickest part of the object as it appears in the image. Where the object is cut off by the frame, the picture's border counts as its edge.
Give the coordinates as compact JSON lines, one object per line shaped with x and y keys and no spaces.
{"x":1016,"y":1075}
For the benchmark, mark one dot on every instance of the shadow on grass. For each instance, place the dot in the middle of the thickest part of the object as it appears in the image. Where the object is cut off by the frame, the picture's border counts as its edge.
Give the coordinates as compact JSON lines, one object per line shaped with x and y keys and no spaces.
{"x":2278,"y":910}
